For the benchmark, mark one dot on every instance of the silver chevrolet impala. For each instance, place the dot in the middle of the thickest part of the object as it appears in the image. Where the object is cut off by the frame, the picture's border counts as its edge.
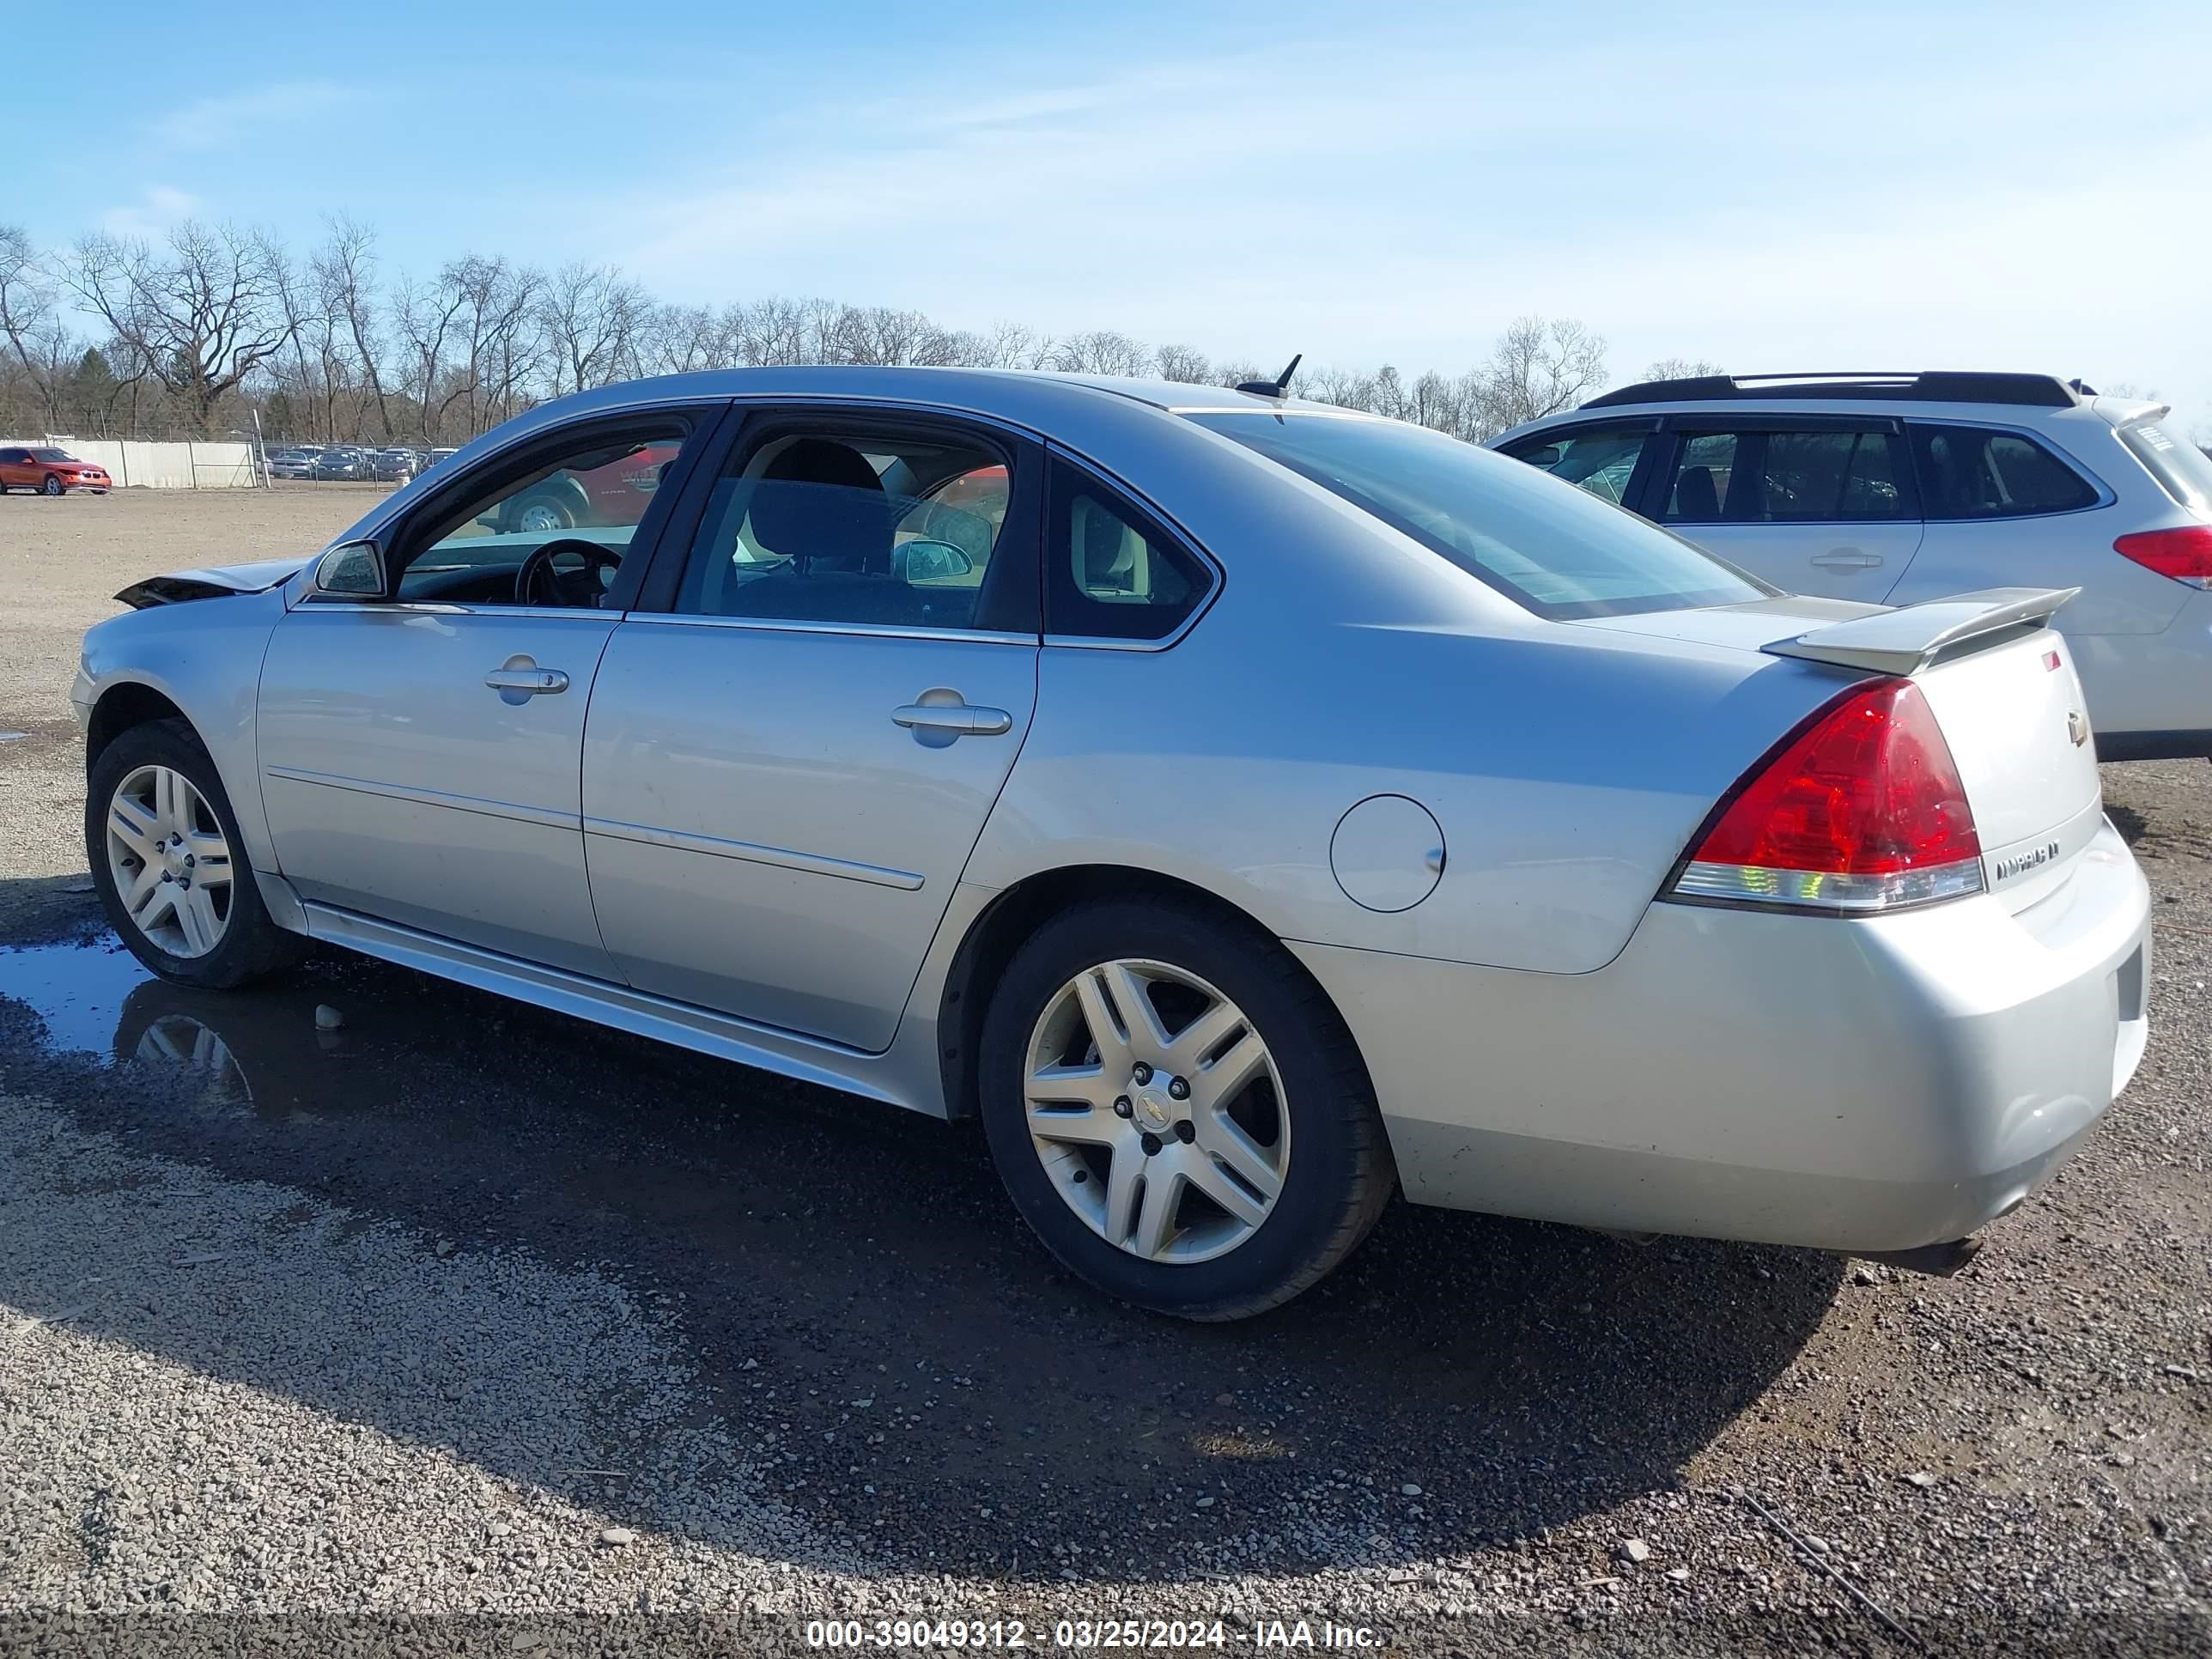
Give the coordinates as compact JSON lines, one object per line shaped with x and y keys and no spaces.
{"x":1248,"y":808}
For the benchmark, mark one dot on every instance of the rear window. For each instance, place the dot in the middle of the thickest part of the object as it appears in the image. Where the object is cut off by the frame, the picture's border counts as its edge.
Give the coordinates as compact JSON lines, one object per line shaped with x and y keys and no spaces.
{"x":1550,"y":546}
{"x":2183,"y":471}
{"x":1979,"y":472}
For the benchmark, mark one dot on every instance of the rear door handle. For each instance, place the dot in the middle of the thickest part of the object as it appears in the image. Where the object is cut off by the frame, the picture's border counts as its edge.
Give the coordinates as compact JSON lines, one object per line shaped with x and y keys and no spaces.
{"x":1846,"y":558}
{"x":962,"y":720}
{"x":529,"y":681}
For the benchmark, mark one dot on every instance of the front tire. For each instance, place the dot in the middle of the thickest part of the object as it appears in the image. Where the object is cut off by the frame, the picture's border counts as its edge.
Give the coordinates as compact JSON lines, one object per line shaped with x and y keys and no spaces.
{"x":1177,"y":1110}
{"x":53,"y":486}
{"x":170,"y":866}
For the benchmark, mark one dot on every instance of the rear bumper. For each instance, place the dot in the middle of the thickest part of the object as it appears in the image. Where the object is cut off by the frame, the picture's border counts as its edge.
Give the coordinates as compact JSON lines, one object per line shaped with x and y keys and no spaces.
{"x":1872,"y":1084}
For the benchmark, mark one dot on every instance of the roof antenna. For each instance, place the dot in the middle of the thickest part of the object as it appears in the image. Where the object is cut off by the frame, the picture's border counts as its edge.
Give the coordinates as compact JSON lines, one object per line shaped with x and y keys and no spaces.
{"x":1278,"y":387}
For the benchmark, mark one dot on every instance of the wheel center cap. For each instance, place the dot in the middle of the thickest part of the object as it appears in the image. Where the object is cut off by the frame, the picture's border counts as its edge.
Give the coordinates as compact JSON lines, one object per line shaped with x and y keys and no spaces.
{"x":1153,"y":1109}
{"x":173,"y":860}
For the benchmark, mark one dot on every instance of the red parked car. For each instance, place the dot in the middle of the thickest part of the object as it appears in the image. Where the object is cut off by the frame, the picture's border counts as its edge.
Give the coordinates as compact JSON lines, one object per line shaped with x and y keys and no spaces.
{"x":50,"y":471}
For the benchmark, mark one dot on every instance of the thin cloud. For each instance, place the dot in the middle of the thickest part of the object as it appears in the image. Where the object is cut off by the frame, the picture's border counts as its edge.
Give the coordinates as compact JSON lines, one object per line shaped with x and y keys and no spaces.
{"x":157,"y":208}
{"x":246,"y":116}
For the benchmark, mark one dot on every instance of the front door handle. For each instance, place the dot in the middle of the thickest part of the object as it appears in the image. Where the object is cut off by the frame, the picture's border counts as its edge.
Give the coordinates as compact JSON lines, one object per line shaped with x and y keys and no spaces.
{"x":960,"y":719}
{"x":1846,"y":558}
{"x":512,"y":682}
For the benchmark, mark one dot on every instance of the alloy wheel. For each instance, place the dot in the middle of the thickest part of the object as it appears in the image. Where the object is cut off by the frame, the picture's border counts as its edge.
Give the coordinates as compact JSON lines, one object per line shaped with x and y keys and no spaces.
{"x":1157,"y":1110}
{"x":540,"y":517}
{"x":170,"y":862}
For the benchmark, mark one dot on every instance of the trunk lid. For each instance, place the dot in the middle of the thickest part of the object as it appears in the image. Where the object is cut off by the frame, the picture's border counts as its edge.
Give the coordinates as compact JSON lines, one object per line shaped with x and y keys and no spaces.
{"x":2000,"y":681}
{"x":2014,"y":716}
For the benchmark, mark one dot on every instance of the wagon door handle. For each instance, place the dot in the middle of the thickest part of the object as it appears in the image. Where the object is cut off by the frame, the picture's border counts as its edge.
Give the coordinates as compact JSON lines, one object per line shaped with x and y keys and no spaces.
{"x":960,"y":719}
{"x":1847,"y":558}
{"x":526,"y":682}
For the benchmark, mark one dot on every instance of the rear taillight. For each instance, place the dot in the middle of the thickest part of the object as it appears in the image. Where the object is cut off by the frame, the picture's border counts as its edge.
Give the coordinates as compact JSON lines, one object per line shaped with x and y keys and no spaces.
{"x":2185,"y":554}
{"x":1861,"y":810}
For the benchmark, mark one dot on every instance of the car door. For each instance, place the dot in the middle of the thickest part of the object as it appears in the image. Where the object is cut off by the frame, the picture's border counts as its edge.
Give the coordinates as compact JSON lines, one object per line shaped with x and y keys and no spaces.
{"x":1816,"y":504}
{"x":420,"y":754}
{"x":795,"y":742}
{"x":14,"y":468}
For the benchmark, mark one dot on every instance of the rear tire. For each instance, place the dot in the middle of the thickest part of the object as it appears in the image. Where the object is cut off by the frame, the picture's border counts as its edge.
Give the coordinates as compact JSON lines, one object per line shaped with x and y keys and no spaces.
{"x":1315,"y":1141}
{"x":221,"y":944}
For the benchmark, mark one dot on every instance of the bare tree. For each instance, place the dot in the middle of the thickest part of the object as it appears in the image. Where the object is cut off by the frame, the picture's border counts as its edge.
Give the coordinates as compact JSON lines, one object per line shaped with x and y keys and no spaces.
{"x":1185,"y":363}
{"x":1681,"y":369}
{"x":201,"y":313}
{"x":429,"y":318}
{"x":345,"y":269}
{"x":31,"y":327}
{"x":1102,"y":351}
{"x":1540,"y":368}
{"x":592,"y":317}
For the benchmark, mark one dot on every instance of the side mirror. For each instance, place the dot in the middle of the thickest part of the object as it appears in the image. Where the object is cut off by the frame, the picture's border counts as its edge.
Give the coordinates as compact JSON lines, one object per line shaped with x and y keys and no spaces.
{"x":924,"y":561}
{"x":352,"y":571}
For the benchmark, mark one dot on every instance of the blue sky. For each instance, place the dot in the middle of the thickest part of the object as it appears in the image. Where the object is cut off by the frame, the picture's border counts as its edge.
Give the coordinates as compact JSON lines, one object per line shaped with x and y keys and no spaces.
{"x":1770,"y":186}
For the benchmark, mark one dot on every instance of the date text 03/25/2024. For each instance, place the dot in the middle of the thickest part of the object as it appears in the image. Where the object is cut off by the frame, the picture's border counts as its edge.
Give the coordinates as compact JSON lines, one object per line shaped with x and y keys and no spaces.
{"x":1086,"y":1634}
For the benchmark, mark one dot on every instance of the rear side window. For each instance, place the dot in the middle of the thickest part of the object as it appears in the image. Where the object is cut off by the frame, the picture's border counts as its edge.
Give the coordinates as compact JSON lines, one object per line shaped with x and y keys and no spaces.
{"x":1112,"y":572}
{"x":828,"y":525}
{"x":1979,"y":472}
{"x":1555,"y":551}
{"x":2183,"y":471}
{"x":1824,"y":475}
{"x":1600,"y":458}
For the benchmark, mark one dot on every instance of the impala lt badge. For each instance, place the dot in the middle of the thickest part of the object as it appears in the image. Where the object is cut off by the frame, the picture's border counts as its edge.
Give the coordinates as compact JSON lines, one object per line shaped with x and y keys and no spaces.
{"x":2077,"y":727}
{"x":2020,"y":863}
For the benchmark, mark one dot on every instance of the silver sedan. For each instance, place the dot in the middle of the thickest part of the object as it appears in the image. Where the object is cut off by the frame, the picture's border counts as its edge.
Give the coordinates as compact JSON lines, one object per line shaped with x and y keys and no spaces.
{"x":1249,"y":809}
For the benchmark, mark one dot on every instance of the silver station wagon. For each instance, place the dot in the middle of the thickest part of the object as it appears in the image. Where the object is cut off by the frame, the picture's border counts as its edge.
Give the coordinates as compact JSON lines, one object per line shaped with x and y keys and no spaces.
{"x":1249,"y":808}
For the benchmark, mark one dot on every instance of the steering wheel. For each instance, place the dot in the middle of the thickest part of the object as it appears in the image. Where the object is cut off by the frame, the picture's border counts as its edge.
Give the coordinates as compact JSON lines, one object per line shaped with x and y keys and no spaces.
{"x":538,"y":582}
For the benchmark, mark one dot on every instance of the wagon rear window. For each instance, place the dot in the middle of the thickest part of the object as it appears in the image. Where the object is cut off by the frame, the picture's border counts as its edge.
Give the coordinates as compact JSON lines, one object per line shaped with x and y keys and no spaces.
{"x":1554,"y":549}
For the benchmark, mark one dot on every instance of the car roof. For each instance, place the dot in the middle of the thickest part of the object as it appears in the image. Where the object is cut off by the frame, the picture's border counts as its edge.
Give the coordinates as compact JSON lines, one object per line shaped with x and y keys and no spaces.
{"x":2017,"y":399}
{"x":1021,"y":395}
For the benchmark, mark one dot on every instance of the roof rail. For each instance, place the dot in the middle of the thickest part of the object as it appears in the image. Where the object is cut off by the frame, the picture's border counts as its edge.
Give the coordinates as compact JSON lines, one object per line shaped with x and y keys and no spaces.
{"x":1935,"y":386}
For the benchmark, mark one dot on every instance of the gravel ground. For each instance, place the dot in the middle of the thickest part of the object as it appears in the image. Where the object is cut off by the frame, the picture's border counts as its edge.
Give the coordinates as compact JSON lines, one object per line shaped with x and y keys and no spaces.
{"x":467,"y":1327}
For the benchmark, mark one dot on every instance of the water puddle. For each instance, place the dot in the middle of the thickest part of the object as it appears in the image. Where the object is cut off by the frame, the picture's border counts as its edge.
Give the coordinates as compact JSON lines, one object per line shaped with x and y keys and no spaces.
{"x":257,"y":1049}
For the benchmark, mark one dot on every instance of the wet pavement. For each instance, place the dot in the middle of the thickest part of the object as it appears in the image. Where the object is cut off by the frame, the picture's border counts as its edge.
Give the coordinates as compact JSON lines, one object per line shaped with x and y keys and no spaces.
{"x":927,"y":1387}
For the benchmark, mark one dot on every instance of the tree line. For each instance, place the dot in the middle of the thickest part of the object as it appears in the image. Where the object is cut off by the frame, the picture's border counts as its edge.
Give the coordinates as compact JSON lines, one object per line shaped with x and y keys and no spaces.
{"x":193,"y":334}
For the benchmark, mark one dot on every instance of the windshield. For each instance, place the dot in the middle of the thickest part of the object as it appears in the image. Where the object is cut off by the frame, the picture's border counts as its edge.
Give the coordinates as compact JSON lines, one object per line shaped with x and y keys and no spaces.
{"x":51,"y":455}
{"x":1553,"y":548}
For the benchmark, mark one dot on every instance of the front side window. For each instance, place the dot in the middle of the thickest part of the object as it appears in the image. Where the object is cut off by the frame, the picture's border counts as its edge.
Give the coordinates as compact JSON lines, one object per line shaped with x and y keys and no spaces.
{"x":1112,"y":572}
{"x":820,"y":524}
{"x":553,"y":534}
{"x":51,"y":455}
{"x":1557,"y":552}
{"x":1600,"y":458}
{"x":1822,"y":475}
{"x":1979,"y":472}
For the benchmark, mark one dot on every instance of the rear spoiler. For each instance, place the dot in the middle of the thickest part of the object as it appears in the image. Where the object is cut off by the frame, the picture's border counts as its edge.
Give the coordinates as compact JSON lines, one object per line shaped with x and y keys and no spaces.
{"x":1907,"y":640}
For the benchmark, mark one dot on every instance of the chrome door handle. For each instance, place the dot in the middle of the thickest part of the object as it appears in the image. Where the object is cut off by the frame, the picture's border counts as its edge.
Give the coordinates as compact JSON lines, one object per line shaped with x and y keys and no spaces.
{"x":530,"y":682}
{"x":963,"y":720}
{"x":1847,"y":558}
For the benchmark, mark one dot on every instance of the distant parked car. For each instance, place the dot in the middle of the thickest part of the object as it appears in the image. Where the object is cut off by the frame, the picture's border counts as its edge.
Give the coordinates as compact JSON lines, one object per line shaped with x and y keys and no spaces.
{"x":49,"y":470}
{"x":394,"y":465}
{"x":1901,"y":488}
{"x":345,"y":465}
{"x":438,"y":455}
{"x":291,"y":463}
{"x":613,"y":494}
